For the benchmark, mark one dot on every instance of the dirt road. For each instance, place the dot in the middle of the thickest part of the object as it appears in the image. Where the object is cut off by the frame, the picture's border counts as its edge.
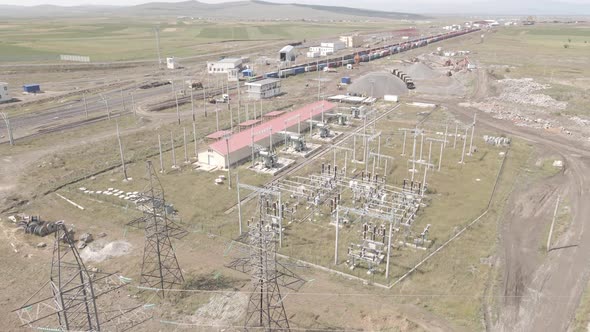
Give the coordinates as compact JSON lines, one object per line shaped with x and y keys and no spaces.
{"x":543,"y":290}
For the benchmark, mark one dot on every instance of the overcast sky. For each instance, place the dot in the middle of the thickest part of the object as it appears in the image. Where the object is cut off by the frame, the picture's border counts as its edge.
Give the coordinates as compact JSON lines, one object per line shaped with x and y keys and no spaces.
{"x":580,"y":7}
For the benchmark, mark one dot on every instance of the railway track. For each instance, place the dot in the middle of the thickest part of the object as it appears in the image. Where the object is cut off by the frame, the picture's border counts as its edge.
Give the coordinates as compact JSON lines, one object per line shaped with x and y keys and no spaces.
{"x":322,"y":151}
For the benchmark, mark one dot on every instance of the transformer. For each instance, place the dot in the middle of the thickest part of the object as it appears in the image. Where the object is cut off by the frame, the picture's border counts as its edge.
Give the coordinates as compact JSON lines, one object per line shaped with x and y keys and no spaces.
{"x":342,"y":119}
{"x":324,"y":131}
{"x":269,"y":158}
{"x":297,"y":143}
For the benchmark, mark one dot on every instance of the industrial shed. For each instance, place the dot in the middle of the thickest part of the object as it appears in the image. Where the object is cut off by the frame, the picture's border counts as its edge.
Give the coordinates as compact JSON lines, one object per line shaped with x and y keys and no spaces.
{"x":240,"y":144}
{"x":224,"y":66}
{"x":287,"y":53}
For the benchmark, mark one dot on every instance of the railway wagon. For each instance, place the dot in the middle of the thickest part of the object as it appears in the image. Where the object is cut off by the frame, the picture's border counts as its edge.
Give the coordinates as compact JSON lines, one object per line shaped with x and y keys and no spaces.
{"x":367,"y":55}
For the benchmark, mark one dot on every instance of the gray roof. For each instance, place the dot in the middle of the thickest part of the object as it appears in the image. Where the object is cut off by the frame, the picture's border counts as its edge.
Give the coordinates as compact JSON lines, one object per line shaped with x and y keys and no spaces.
{"x":286,"y":49}
{"x":263,"y":82}
{"x":230,"y":60}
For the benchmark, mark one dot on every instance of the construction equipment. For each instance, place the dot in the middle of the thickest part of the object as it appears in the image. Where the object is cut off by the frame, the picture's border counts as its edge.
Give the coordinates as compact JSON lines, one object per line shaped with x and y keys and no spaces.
{"x":357,"y":59}
{"x":461,"y":64}
{"x":223,"y":100}
{"x":195,"y":85}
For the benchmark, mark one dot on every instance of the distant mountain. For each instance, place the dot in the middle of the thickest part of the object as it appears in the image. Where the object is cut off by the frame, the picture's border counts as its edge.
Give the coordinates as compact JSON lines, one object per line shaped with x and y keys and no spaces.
{"x":253,"y":9}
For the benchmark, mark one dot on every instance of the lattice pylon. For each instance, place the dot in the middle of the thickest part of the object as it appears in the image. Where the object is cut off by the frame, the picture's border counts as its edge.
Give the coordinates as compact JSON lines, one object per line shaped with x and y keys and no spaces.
{"x":265,"y":306}
{"x":71,"y":286}
{"x":74,"y":303}
{"x":160,"y":269}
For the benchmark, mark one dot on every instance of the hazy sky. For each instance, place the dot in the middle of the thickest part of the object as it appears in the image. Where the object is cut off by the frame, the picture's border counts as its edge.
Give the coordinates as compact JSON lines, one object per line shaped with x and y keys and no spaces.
{"x":581,"y":7}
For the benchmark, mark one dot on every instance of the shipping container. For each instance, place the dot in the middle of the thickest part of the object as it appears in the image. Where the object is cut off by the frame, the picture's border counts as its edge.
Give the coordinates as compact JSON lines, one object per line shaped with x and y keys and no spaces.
{"x":392,"y":98}
{"x":32,"y":88}
{"x":345,"y":80}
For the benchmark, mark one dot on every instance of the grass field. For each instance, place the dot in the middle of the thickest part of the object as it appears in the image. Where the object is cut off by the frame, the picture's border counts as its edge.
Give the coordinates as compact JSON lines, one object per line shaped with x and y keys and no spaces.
{"x":202,"y":210}
{"x":110,"y":40}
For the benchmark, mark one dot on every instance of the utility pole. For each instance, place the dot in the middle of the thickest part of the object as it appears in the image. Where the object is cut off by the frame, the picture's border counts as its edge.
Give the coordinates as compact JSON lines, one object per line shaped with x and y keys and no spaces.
{"x":133,"y":105}
{"x":239,"y":100}
{"x":472,"y":133}
{"x":123,"y":100}
{"x":414,"y":156}
{"x":217,"y":118}
{"x":446,"y":133}
{"x":157,"y":32}
{"x":319,"y":80}
{"x":161,"y":157}
{"x":336,"y":241}
{"x":227,"y":136}
{"x":442,"y":145}
{"x":464,"y":145}
{"x":85,"y":104}
{"x":173,"y":152}
{"x":176,"y":98}
{"x":205,"y":97}
{"x":231,"y":118}
{"x":239,"y":202}
{"x":456,"y":133}
{"x":121,"y":150}
{"x":106,"y":102}
{"x":404,"y":144}
{"x":195,"y":139}
{"x":8,"y":128}
{"x":193,"y":105}
{"x":184,"y":141}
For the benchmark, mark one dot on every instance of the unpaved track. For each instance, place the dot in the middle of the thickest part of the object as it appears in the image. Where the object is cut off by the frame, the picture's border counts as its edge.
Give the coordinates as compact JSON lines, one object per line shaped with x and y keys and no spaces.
{"x":544,"y":290}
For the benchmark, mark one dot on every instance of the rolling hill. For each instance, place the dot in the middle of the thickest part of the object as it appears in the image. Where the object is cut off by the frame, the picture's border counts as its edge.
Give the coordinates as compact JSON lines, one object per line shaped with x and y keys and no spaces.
{"x":243,"y":10}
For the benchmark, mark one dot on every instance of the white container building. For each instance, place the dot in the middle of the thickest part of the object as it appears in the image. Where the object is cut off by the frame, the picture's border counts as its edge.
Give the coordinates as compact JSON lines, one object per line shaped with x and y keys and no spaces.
{"x":327,"y":48}
{"x":352,"y":41}
{"x":263,"y":89}
{"x":312,"y":54}
{"x":170,"y":63}
{"x":223,"y":66}
{"x":4,"y":93}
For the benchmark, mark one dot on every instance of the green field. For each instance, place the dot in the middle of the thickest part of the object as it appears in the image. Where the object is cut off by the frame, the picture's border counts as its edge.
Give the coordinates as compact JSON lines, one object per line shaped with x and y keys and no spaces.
{"x":110,"y":40}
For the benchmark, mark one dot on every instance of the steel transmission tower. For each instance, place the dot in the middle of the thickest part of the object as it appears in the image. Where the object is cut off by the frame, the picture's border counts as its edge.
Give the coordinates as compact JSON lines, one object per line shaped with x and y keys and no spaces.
{"x":75,"y":292}
{"x":71,"y":286}
{"x":160,"y":268}
{"x":265,"y":306}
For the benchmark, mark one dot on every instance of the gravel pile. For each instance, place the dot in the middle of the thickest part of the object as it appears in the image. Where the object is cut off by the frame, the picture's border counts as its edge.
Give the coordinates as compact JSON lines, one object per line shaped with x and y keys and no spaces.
{"x":521,"y":91}
{"x":420,"y":71}
{"x":96,"y":253}
{"x":385,"y":84}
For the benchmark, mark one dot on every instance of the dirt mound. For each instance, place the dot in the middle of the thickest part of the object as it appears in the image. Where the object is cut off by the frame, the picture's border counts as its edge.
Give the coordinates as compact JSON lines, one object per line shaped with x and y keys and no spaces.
{"x":97,"y":252}
{"x":382,"y":83}
{"x":222,"y":309}
{"x":420,"y":71}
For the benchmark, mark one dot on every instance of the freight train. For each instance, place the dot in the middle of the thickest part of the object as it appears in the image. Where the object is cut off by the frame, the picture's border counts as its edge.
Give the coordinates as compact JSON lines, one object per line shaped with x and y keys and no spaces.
{"x":362,"y":56}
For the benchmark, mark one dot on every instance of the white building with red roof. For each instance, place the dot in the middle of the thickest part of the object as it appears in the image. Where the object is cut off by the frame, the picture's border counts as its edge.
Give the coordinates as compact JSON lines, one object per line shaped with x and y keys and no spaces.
{"x":240,"y":145}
